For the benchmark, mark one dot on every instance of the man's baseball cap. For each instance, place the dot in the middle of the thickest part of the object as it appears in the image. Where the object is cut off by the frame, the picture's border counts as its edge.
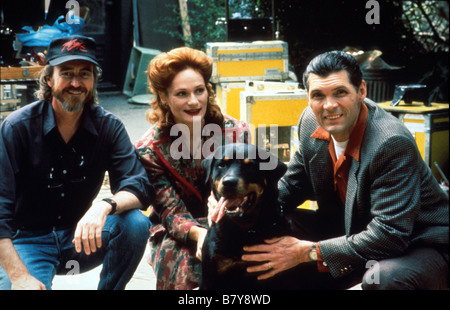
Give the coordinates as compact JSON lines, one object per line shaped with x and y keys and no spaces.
{"x":69,"y":48}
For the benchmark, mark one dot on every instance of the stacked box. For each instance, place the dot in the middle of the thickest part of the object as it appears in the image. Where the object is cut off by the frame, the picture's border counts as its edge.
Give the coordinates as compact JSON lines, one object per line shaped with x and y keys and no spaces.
{"x":260,"y":60}
{"x":236,"y":63}
{"x":228,"y":93}
{"x":279,"y":109}
{"x":271,"y":86}
{"x":294,"y":144}
{"x":430,"y":127}
{"x":228,"y":97}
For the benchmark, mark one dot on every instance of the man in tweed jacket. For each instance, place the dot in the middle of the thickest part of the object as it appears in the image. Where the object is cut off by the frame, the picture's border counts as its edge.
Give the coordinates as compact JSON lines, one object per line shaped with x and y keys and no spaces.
{"x":382,"y":218}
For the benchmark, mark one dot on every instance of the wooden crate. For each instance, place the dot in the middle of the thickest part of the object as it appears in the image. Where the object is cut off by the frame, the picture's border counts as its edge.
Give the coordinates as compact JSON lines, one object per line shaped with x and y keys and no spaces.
{"x":20,"y":73}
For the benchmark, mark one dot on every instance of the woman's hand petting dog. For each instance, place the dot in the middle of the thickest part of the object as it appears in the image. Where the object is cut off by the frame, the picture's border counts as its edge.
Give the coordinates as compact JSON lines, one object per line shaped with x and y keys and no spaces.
{"x":216,"y":209}
{"x":279,"y":254}
{"x":201,"y":239}
{"x":198,"y":234}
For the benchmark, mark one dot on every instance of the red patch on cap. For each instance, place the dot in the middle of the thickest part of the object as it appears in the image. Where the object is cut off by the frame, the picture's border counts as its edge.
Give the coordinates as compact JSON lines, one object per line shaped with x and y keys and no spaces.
{"x":81,"y":46}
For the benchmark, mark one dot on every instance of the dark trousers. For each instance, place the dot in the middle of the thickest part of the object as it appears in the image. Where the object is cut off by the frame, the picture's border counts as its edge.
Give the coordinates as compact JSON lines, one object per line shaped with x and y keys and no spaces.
{"x":420,"y":268}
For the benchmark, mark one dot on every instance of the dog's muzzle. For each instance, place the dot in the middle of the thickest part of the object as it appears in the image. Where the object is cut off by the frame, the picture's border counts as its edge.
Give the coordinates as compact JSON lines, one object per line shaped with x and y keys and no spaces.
{"x":239,"y":196}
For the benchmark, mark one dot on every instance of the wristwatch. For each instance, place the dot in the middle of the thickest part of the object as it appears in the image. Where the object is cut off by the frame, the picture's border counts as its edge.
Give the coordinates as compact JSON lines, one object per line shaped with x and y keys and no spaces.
{"x":313,"y":252}
{"x":113,"y":205}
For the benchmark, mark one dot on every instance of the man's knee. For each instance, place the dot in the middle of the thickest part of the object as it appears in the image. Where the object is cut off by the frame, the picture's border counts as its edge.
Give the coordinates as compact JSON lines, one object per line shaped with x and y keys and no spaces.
{"x":136,"y":223}
{"x":387,"y":275}
{"x":133,"y":225}
{"x":409,"y":272}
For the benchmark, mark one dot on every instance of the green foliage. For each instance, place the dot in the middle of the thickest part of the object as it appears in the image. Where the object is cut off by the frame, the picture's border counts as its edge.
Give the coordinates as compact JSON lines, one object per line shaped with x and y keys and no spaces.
{"x":428,"y":22}
{"x":249,"y":8}
{"x":411,"y":34}
{"x":206,"y":20}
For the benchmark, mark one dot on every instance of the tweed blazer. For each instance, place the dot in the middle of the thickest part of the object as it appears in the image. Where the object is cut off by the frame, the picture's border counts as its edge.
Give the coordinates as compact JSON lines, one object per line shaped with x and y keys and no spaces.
{"x":393,"y":201}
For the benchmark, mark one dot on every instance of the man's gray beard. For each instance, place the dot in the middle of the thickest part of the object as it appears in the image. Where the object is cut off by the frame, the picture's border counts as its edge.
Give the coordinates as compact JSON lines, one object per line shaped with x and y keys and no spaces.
{"x":72,"y":108}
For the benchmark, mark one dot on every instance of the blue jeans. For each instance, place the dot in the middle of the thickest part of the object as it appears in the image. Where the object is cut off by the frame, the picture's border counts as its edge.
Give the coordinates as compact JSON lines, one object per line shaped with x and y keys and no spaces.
{"x":51,"y":252}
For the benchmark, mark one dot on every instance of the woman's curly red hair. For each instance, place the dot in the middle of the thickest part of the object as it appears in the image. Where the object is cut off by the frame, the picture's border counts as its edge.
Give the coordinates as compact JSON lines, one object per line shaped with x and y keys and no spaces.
{"x":160,"y":74}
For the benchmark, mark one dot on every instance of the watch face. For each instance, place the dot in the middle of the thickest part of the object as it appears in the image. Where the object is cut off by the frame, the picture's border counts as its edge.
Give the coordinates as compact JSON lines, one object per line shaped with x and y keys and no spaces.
{"x":313,"y":255}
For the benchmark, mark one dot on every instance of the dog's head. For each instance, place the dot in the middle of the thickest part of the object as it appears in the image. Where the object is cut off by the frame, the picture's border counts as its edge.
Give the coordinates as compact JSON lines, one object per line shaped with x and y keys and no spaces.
{"x":241,"y":174}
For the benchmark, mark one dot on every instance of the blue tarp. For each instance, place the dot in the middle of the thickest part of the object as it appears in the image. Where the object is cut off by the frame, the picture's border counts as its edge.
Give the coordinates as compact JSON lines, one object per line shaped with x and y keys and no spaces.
{"x":47,"y":33}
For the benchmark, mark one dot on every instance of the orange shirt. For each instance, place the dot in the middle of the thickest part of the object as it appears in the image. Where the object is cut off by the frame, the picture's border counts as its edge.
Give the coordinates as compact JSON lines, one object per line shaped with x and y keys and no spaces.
{"x":342,"y":164}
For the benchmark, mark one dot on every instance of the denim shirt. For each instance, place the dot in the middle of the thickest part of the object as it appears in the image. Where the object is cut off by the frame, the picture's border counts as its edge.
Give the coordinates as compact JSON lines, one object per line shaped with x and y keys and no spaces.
{"x":47,"y":183}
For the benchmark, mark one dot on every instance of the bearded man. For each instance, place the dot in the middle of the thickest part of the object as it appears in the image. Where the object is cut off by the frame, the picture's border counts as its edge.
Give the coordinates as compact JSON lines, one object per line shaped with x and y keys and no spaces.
{"x":53,"y":157}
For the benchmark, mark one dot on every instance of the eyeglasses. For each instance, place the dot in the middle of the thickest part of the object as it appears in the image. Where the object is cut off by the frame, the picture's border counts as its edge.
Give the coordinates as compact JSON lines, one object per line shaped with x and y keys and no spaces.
{"x":82,"y":76}
{"x":55,"y":182}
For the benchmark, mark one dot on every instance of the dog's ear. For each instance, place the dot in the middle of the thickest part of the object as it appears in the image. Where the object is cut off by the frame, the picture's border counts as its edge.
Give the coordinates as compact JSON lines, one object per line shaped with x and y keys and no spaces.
{"x":272,"y":167}
{"x":279,"y":170}
{"x":208,"y":163}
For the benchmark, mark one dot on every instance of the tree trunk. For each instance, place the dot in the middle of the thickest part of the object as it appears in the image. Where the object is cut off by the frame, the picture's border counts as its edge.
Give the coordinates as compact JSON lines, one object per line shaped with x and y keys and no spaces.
{"x":185,"y":23}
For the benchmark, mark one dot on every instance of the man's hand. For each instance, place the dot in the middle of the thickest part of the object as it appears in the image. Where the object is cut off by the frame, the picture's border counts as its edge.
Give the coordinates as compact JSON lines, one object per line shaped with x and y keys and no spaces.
{"x":27,"y":282}
{"x":279,"y":254}
{"x":15,"y":268}
{"x":88,"y":234}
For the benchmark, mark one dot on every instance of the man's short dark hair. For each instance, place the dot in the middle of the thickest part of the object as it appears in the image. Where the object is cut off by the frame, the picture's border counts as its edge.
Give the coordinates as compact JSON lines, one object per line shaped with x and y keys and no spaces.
{"x":331,"y":62}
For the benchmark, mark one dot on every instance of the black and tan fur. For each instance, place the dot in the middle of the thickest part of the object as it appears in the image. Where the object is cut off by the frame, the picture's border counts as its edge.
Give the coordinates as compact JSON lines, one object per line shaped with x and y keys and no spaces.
{"x":235,"y":173}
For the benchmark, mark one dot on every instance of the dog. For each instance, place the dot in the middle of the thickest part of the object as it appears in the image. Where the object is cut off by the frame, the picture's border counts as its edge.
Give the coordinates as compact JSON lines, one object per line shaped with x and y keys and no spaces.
{"x":245,"y":177}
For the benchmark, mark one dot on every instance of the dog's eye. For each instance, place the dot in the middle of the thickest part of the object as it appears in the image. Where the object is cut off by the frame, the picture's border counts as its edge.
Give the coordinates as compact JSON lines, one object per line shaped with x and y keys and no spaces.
{"x":221,"y":164}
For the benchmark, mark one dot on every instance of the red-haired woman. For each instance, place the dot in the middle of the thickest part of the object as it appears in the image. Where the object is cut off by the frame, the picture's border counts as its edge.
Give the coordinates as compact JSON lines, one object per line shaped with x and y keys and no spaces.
{"x":187,"y":122}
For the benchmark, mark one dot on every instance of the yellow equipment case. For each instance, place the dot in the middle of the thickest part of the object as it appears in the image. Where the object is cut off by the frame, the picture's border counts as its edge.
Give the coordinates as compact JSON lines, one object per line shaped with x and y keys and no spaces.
{"x":271,"y":86}
{"x":272,"y":115}
{"x":294,"y":144}
{"x":279,"y":109}
{"x":228,"y":93}
{"x":228,"y":97}
{"x":430,"y":127}
{"x":259,"y":60}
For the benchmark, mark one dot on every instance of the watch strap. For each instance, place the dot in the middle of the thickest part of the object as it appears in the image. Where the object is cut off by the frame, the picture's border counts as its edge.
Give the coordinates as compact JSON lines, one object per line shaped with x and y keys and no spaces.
{"x":113,"y":205}
{"x":313,"y":252}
